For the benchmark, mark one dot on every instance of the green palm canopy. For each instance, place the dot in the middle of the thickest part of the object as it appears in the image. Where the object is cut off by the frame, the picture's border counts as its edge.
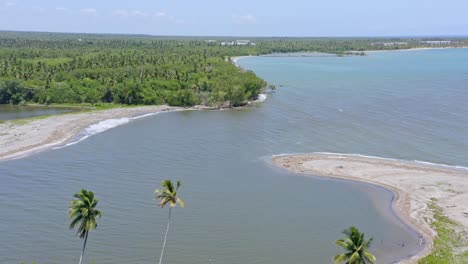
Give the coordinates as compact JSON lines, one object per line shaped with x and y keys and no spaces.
{"x":168,"y":195}
{"x":356,"y":248}
{"x":84,"y":214}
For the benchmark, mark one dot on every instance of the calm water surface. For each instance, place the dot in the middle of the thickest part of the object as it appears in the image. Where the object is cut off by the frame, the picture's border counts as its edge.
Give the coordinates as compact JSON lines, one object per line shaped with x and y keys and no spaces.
{"x":241,"y":209}
{"x":10,"y":112}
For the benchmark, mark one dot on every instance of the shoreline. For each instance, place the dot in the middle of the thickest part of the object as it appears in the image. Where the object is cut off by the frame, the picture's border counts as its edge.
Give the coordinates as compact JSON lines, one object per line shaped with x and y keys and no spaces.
{"x":235,"y":59}
{"x":412,"y":183}
{"x":410,"y":49}
{"x":22,"y":137}
{"x":18,"y":140}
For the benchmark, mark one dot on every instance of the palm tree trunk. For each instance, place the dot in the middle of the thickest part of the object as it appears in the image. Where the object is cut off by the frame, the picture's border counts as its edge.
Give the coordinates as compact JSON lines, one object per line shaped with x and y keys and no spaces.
{"x":84,"y":247}
{"x":165,"y":236}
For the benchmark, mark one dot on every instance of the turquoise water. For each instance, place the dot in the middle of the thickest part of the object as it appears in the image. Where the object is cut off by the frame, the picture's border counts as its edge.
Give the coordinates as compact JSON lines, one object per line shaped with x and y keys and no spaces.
{"x":408,"y":105}
{"x":241,"y":209}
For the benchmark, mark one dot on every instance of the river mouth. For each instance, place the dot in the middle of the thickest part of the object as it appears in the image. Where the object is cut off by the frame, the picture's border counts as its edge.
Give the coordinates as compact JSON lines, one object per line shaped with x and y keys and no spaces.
{"x":240,"y":209}
{"x":234,"y":207}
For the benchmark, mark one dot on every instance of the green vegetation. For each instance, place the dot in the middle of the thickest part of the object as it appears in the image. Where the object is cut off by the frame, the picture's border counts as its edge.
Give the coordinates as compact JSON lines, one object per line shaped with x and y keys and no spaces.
{"x":168,"y":195}
{"x":24,"y":121}
{"x":356,"y":248}
{"x":449,"y":239}
{"x":48,"y":68}
{"x":84,"y":214}
{"x":121,"y":71}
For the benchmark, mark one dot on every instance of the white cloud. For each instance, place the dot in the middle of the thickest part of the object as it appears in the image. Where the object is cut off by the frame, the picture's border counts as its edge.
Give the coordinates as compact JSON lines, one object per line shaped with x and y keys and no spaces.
{"x":7,"y":4}
{"x":159,"y":14}
{"x":169,"y":17}
{"x":127,"y":13}
{"x":243,"y":19}
{"x":139,"y":13}
{"x":121,"y":13}
{"x":38,"y":9}
{"x":89,"y":11}
{"x":59,"y":8}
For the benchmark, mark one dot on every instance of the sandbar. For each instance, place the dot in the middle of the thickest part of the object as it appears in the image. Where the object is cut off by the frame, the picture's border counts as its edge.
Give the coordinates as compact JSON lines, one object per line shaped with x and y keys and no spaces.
{"x":414,"y":184}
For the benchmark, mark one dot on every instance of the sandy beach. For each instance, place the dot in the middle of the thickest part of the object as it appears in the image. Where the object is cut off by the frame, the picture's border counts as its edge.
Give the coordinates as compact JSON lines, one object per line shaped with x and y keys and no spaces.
{"x":414,"y":185}
{"x":410,"y":49}
{"x":234,"y":60}
{"x":20,"y":139}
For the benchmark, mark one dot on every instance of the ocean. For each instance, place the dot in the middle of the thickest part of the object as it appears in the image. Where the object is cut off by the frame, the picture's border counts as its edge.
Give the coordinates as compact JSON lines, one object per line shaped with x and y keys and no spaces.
{"x":407,"y":105}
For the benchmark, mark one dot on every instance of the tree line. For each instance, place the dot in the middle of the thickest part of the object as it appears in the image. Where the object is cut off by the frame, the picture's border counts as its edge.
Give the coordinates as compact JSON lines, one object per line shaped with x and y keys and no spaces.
{"x":176,"y":76}
{"x":60,"y":68}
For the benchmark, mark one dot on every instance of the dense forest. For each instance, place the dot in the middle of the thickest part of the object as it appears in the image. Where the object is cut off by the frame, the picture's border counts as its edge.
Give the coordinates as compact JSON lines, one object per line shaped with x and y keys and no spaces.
{"x":61,"y":68}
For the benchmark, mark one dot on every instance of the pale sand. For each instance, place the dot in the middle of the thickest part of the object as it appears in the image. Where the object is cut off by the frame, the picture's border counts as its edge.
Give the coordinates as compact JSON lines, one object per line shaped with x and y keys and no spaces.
{"x":410,"y":49}
{"x":414,"y":184}
{"x":234,"y":60}
{"x":18,"y":140}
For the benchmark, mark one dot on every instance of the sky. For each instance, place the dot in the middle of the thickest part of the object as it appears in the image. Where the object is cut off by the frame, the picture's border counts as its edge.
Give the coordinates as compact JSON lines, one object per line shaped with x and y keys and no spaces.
{"x":239,"y":17}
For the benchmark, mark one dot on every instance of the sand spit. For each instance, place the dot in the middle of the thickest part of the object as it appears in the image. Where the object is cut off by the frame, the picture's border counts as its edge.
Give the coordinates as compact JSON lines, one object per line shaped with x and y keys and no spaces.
{"x":410,"y":49}
{"x":413,"y":183}
{"x":18,"y":139}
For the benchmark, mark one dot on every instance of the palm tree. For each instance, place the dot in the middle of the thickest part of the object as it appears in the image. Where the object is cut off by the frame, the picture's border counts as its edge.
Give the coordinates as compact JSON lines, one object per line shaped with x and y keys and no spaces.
{"x":84,"y":213}
{"x":356,"y":248}
{"x":168,"y":195}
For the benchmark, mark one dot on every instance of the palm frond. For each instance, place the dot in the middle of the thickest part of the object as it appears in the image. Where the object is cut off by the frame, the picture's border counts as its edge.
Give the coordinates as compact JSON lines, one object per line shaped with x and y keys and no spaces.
{"x":83,"y":212}
{"x":369,"y":256}
{"x":169,"y":194}
{"x":181,"y":202}
{"x":355,"y":246}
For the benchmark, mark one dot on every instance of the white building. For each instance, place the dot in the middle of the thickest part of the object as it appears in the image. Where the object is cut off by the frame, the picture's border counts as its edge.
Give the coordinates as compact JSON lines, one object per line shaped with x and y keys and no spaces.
{"x":239,"y":42}
{"x":437,"y":42}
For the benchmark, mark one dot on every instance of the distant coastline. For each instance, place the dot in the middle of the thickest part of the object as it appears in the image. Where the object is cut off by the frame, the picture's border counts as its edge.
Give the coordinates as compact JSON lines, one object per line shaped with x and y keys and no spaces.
{"x":414,"y":184}
{"x":414,"y":49}
{"x":236,"y":59}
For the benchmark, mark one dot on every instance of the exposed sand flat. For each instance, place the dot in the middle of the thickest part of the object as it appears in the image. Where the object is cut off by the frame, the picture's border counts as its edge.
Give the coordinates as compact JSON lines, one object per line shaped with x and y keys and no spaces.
{"x":17,"y":140}
{"x":413,"y":183}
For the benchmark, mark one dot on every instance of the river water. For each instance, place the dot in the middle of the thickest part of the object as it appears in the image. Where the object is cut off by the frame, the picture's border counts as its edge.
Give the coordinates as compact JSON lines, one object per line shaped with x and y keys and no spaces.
{"x":11,"y":112}
{"x":240,"y":208}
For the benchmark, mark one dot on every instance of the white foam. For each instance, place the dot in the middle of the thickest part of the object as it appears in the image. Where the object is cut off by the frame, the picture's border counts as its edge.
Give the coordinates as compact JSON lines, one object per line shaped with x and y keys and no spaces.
{"x":442,"y":165}
{"x":80,"y":138}
{"x":103,"y":126}
{"x":143,"y":116}
{"x":261,"y":98}
{"x":356,"y":155}
{"x":235,"y":62}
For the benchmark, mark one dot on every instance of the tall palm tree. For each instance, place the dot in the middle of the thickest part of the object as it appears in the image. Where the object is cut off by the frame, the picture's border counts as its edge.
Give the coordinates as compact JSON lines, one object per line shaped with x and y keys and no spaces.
{"x":84,"y":213}
{"x":168,"y":195}
{"x":356,"y":248}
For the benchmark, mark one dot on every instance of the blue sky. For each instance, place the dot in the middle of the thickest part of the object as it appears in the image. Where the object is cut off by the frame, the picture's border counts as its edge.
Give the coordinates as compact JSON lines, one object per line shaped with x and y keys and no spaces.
{"x":239,"y":17}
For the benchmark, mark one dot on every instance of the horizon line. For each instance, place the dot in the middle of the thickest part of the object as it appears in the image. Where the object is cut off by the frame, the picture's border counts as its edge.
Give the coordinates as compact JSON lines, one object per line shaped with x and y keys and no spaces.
{"x":251,"y":36}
